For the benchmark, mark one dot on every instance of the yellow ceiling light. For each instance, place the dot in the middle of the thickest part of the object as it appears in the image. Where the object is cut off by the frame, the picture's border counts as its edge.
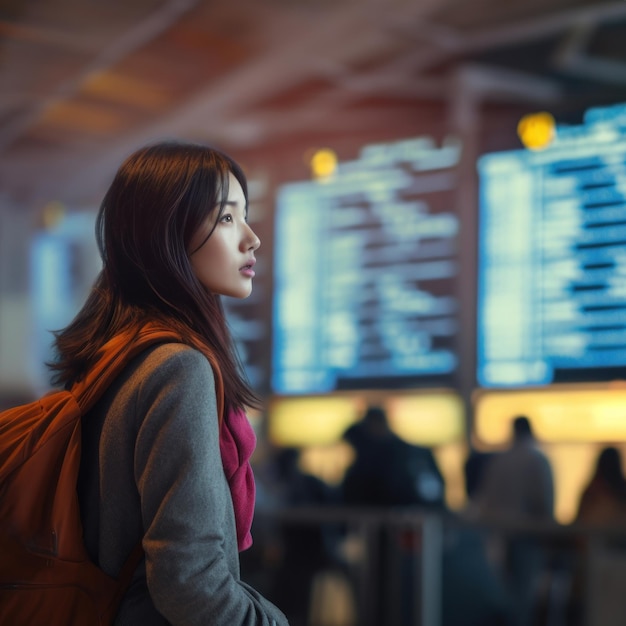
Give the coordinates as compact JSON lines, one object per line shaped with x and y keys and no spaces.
{"x":52,"y":215}
{"x":537,"y":130}
{"x":323,"y":163}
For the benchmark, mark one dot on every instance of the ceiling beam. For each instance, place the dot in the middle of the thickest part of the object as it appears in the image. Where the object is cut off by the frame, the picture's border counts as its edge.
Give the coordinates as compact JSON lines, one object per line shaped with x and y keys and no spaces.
{"x":136,"y":37}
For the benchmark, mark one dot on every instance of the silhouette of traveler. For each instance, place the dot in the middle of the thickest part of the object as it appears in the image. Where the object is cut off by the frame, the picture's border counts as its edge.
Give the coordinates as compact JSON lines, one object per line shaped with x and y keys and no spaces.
{"x":307,"y":549}
{"x":518,"y":486}
{"x":389,"y":472}
{"x":474,"y":468}
{"x":600,"y":569}
{"x":518,"y":483}
{"x":603,"y":501}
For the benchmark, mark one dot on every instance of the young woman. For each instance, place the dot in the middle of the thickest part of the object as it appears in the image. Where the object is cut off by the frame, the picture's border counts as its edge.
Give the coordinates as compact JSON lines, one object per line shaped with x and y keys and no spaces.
{"x":160,"y":463}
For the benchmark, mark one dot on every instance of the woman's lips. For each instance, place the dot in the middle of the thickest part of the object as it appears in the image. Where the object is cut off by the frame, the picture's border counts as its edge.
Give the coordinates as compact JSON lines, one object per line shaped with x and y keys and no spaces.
{"x":248,"y":269}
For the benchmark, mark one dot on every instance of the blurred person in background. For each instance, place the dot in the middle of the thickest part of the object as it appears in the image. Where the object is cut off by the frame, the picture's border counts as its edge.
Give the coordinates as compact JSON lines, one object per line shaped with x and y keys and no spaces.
{"x":603,"y":501}
{"x":390,"y":473}
{"x":600,"y":569}
{"x":517,"y":487}
{"x":307,"y":548}
{"x":474,"y":468}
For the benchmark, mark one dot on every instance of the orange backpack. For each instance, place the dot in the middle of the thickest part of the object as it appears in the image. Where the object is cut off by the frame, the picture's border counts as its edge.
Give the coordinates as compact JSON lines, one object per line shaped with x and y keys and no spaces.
{"x":46,"y":575}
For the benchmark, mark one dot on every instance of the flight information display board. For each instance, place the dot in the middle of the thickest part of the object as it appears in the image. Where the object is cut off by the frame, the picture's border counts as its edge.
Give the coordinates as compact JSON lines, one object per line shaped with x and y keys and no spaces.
{"x":364,"y":273}
{"x":552,"y":258}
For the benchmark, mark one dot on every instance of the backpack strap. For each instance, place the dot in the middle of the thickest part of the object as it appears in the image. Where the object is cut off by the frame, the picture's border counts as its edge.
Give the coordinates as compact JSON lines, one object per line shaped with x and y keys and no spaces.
{"x":114,"y":356}
{"x":119,"y":351}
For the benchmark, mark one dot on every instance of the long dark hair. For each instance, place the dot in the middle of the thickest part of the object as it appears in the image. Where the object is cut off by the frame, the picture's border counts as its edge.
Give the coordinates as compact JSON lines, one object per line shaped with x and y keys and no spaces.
{"x":158,"y":199}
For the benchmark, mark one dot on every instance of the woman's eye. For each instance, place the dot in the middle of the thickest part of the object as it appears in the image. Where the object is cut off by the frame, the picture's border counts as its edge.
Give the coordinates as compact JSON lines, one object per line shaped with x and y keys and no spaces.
{"x":226,"y":218}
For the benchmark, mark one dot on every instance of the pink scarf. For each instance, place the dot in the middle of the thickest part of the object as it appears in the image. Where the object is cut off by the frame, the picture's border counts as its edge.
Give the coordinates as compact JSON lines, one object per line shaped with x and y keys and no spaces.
{"x":237,"y":443}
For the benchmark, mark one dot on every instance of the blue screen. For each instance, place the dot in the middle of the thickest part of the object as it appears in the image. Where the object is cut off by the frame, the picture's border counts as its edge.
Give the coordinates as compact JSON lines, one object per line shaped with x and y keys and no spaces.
{"x":552,"y":258}
{"x":364,"y":273}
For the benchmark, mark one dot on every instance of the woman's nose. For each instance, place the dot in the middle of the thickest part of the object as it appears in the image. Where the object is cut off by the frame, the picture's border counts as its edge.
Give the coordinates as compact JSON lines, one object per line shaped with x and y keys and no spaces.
{"x":254,"y":241}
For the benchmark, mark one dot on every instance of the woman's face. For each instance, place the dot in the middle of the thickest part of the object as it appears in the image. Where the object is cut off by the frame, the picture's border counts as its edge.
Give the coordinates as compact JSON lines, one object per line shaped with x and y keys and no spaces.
{"x":224,"y":263}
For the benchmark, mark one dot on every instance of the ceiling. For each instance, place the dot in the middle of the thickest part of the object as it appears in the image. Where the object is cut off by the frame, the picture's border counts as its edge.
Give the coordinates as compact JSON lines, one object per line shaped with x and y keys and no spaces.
{"x":84,"y":82}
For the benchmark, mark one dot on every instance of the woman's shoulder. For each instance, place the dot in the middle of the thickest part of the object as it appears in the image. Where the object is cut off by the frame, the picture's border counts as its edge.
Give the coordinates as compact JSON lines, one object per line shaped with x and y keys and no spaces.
{"x":171,"y":350}
{"x":171,"y":361}
{"x":168,"y":374}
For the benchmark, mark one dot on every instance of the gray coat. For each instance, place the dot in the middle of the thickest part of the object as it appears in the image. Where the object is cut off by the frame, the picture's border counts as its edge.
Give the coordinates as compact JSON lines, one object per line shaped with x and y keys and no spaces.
{"x":151,"y":470}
